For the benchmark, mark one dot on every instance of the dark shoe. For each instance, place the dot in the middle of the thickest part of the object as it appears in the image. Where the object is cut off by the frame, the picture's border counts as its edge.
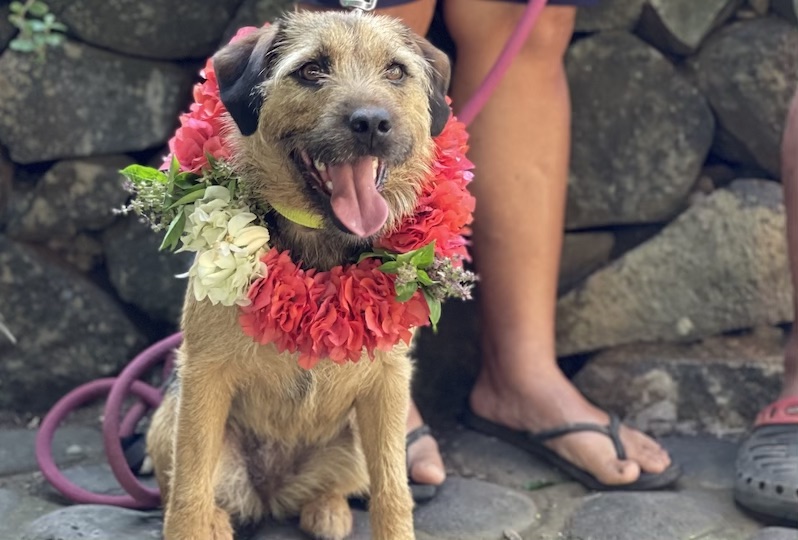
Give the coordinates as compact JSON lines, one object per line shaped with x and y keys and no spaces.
{"x":767,"y":463}
{"x":533,"y":443}
{"x":421,"y":492}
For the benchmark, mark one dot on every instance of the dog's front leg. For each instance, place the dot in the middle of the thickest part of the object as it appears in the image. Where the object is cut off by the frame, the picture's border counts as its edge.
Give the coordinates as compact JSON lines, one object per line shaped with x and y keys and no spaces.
{"x":203,"y":406}
{"x":382,"y":415}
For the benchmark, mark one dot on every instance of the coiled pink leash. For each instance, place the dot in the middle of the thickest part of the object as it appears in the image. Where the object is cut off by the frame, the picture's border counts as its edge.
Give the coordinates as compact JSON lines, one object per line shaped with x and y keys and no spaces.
{"x":138,"y":495}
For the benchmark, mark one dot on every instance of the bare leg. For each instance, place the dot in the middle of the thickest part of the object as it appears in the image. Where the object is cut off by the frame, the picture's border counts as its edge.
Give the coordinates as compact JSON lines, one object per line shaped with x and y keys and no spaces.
{"x":520,"y":144}
{"x":426,"y":465}
{"x":789,"y":175}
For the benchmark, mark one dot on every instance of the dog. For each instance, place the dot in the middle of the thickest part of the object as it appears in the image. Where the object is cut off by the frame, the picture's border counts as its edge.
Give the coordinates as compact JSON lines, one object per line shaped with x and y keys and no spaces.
{"x":244,"y":432}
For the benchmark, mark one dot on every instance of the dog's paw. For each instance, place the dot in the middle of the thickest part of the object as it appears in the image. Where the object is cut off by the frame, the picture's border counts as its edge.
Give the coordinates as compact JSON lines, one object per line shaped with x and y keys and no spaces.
{"x":183,"y":527}
{"x":327,"y":518}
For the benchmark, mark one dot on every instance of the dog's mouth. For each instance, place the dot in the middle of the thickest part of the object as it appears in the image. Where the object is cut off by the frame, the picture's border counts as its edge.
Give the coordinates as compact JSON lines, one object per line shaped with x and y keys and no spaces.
{"x":352,"y":188}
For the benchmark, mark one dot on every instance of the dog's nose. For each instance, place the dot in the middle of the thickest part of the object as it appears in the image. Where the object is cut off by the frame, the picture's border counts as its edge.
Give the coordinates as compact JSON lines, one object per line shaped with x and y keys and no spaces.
{"x":369,"y":123}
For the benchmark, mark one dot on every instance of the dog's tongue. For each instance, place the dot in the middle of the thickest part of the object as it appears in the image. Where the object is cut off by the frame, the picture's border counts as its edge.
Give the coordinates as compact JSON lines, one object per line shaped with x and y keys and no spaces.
{"x":355,"y":200}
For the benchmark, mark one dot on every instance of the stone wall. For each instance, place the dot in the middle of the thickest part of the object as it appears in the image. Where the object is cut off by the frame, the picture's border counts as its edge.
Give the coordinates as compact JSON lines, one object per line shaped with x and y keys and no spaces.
{"x":674,"y":220}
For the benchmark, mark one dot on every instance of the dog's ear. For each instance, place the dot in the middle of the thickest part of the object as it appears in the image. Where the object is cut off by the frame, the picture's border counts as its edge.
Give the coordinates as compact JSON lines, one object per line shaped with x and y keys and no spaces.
{"x":240,"y":67}
{"x":441,"y":75}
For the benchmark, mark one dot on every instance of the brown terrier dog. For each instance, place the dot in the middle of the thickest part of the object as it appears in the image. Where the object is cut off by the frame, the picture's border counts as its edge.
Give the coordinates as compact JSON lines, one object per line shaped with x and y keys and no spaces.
{"x":333,"y":114}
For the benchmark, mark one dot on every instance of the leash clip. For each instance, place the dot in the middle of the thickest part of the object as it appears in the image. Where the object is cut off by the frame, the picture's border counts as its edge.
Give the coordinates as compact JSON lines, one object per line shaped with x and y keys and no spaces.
{"x":359,"y":6}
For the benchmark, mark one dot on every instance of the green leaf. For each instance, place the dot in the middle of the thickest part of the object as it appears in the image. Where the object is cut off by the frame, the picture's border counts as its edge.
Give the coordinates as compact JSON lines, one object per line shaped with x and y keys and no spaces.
{"x":406,"y":291}
{"x":188,"y":181}
{"x":22,"y":45}
{"x":38,"y":9}
{"x":377,"y":254}
{"x":139,"y":174}
{"x":174,"y":166}
{"x":49,"y":19}
{"x":54,"y":39}
{"x":17,"y":7}
{"x":58,"y":27}
{"x":424,"y":257}
{"x":37,"y":26}
{"x":424,"y":279}
{"x":232,"y":187}
{"x":389,"y":267}
{"x":174,"y":232}
{"x":434,"y":310}
{"x":188,"y":198}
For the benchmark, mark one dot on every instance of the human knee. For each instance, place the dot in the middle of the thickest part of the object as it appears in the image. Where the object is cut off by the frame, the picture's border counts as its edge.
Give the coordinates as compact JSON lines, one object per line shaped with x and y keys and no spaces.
{"x":487,"y":27}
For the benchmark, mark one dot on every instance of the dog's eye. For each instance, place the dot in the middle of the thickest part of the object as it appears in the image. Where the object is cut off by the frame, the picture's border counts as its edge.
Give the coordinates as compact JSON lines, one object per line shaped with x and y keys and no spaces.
{"x":311,"y":72}
{"x":395,"y":72}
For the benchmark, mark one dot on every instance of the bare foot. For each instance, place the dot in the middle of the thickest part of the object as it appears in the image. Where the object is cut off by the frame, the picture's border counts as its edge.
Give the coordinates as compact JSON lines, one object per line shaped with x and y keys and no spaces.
{"x":423,"y":456}
{"x":550,"y":401}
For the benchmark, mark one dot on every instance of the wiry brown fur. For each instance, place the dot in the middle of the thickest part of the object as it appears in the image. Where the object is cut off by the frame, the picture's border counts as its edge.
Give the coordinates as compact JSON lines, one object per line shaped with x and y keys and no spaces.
{"x":246,"y":432}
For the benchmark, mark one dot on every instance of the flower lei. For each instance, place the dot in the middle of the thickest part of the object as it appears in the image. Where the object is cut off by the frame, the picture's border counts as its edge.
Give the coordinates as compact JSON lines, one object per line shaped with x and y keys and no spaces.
{"x":370,"y":304}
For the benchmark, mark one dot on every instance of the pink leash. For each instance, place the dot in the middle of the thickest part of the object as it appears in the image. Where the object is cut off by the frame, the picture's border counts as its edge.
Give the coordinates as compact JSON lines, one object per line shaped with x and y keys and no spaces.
{"x":138,"y":495}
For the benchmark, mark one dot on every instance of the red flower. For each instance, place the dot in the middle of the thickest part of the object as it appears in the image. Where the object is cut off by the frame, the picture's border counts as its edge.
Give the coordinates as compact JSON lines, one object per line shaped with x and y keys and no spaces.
{"x":445,"y":206}
{"x":201,"y":131}
{"x":335,"y":314}
{"x":194,"y":140}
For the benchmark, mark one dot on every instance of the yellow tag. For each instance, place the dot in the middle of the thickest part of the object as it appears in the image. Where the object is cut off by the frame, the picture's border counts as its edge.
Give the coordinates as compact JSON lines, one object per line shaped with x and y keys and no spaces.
{"x":300,"y":217}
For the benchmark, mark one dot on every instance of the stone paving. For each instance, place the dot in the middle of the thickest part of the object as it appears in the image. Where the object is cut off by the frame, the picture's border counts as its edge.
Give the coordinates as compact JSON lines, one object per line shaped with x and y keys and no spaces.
{"x":494,"y":492}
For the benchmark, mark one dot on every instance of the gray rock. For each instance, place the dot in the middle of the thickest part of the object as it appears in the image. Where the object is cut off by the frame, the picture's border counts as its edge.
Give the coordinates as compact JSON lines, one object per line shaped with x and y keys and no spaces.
{"x":787,"y":9}
{"x":71,"y":444}
{"x":749,"y":72}
{"x":255,"y":13}
{"x":718,"y":267}
{"x":582,"y":253}
{"x":99,"y":479}
{"x":466,"y":509}
{"x":8,"y":502}
{"x":95,"y":521}
{"x":641,"y":133}
{"x":717,"y":386}
{"x":776,"y":533}
{"x":164,"y":29}
{"x":609,"y":15}
{"x":141,"y":274}
{"x":469,"y":454}
{"x":83,"y":251}
{"x":654,"y":516}
{"x":67,"y":330}
{"x":72,"y":196}
{"x":707,"y":462}
{"x":6,"y":183}
{"x":680,"y":26}
{"x":84,"y":101}
{"x":7,"y":30}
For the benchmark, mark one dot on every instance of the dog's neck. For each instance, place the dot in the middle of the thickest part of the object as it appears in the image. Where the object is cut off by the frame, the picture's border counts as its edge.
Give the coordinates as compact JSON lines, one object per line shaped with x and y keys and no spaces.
{"x":321,"y":249}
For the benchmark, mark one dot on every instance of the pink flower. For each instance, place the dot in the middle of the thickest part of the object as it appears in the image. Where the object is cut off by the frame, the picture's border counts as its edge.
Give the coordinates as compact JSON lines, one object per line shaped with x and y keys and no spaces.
{"x":194,"y":140}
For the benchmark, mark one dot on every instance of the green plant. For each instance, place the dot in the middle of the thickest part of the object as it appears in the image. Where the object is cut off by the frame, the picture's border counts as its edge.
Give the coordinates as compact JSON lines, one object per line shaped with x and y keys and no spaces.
{"x":38,"y":28}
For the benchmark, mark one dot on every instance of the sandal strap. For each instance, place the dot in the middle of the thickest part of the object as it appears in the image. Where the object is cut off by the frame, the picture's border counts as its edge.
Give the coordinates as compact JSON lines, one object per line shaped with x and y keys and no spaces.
{"x":416,"y":434}
{"x":612,"y":430}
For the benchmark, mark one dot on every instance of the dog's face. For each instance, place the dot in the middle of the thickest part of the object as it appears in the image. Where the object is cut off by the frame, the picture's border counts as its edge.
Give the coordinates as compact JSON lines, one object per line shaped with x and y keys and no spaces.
{"x":336,"y":114}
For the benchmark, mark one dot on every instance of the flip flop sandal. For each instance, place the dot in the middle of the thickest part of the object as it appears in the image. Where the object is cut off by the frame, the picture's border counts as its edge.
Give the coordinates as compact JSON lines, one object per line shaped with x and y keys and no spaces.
{"x":534,"y":444}
{"x":421,"y":492}
{"x":767,"y":463}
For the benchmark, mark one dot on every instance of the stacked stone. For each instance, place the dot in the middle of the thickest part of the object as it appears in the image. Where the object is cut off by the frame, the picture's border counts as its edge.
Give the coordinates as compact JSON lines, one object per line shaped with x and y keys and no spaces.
{"x":675,"y":219}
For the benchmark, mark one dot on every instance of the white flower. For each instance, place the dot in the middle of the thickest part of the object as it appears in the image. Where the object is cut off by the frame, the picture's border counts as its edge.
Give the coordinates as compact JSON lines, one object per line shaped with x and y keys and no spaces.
{"x":229,"y":248}
{"x":206,"y":220}
{"x":225,"y":278}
